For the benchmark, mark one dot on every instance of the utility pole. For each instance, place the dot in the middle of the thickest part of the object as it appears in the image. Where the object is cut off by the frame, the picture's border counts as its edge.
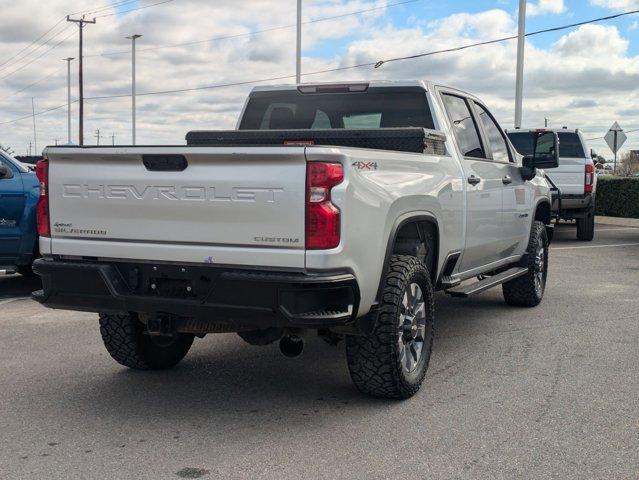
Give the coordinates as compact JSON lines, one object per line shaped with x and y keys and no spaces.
{"x":133,"y":38}
{"x":35,"y":138}
{"x":81,"y":23}
{"x":545,"y":122}
{"x":113,"y":139}
{"x":298,"y":52}
{"x":68,"y":60}
{"x":97,"y":134}
{"x":29,"y":148}
{"x":519,"y":84}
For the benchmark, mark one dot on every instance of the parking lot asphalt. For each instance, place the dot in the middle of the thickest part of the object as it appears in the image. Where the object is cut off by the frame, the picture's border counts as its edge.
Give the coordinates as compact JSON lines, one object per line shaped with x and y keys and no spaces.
{"x":549,"y":392}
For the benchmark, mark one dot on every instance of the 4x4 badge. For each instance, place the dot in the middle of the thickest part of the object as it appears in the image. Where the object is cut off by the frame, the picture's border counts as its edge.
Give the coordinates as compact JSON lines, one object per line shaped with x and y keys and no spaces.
{"x":365,"y":165}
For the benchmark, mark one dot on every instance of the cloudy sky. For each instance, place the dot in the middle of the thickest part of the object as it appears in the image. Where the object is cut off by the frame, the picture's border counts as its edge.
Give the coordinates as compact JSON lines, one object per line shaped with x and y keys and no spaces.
{"x":585,"y":77}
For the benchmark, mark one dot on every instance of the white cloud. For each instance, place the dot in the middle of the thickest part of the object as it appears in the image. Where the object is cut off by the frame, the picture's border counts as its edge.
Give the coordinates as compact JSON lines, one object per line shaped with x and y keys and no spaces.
{"x":616,"y":4}
{"x":543,"y":7}
{"x":589,"y":64}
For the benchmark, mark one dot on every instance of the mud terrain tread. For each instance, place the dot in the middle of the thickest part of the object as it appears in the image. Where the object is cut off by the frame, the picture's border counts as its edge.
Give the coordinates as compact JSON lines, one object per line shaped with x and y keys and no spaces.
{"x":373,"y":361}
{"x":120,"y":336}
{"x":128,"y":344}
{"x":520,"y":292}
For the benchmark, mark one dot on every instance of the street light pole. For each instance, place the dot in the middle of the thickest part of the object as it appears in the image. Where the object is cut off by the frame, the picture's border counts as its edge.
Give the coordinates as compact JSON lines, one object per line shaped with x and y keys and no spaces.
{"x":298,"y":52}
{"x":133,"y":38}
{"x":521,"y":42}
{"x":68,"y":60}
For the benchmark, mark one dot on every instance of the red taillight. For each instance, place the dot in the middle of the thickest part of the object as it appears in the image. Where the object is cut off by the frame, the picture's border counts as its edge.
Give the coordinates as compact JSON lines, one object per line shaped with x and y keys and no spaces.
{"x":42,"y":209}
{"x":589,"y":178}
{"x":322,"y":217}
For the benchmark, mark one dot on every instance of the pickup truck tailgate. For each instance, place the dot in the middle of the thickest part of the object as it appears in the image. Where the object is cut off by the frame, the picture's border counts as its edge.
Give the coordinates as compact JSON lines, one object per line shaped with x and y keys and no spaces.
{"x":231,"y":206}
{"x":569,"y":175}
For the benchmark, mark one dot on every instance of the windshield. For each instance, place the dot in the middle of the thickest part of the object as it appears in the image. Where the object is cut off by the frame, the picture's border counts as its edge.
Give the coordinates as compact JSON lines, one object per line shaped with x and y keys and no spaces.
{"x":15,"y":162}
{"x":569,"y":144}
{"x":375,"y":108}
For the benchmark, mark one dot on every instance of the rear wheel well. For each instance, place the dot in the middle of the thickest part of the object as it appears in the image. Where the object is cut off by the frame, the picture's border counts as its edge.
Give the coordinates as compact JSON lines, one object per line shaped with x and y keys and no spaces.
{"x":542,"y":213}
{"x":420,"y":239}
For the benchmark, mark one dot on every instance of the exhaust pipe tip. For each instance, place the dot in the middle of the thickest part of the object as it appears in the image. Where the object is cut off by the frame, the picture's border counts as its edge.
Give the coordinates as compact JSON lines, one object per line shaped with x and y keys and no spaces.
{"x":291,"y":346}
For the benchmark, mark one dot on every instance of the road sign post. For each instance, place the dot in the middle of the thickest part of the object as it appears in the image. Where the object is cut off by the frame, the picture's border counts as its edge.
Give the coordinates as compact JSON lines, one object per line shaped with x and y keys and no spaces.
{"x":615,"y":138}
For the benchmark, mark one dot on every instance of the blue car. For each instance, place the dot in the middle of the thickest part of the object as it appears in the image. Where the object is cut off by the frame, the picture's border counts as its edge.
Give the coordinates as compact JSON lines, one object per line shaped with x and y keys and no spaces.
{"x":19,"y":192}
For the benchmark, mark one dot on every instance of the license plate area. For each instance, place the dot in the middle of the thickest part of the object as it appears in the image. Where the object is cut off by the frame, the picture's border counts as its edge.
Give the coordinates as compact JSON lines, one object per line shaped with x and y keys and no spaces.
{"x":169,"y":281}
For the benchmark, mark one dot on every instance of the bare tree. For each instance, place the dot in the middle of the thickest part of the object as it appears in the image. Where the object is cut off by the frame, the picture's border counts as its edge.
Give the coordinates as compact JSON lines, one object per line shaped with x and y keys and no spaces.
{"x":629,"y":164}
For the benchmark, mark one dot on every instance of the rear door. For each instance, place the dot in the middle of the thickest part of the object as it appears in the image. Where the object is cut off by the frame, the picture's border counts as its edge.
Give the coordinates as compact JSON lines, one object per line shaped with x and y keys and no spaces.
{"x":220,"y":205}
{"x":484,"y":186}
{"x":12,"y":203}
{"x":516,"y":201}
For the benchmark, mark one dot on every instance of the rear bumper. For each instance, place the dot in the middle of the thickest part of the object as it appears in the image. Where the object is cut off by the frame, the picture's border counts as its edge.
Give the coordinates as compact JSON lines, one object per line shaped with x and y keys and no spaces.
{"x":214,"y":299}
{"x":575,"y":206}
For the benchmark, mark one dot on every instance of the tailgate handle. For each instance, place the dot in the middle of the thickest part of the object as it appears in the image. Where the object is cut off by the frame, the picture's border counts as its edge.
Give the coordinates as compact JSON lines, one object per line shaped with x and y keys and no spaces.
{"x":165,"y":163}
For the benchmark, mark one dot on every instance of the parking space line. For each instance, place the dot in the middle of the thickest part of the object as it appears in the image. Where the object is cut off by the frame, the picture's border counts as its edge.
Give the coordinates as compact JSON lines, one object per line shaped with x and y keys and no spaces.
{"x":615,"y":229}
{"x":597,"y":246}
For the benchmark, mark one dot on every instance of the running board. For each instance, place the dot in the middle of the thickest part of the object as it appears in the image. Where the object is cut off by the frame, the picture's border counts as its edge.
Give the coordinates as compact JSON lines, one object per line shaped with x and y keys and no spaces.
{"x":487,"y":283}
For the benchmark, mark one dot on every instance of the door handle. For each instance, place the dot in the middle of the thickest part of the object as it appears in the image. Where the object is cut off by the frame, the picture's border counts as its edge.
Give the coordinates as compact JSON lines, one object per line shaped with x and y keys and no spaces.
{"x":473,"y":180}
{"x":507,"y":180}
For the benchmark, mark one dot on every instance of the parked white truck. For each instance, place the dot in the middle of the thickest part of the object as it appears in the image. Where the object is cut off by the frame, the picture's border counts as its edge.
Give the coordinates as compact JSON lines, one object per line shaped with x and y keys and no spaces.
{"x":574,"y":177}
{"x":331,"y":208}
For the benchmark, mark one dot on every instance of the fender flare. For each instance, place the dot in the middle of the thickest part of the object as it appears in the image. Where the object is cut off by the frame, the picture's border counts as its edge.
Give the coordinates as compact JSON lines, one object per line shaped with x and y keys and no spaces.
{"x":400,"y":222}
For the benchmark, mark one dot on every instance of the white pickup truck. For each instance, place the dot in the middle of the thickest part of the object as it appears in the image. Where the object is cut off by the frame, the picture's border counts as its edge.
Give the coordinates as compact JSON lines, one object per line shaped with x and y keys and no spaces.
{"x":331,"y":208}
{"x":574,"y":178}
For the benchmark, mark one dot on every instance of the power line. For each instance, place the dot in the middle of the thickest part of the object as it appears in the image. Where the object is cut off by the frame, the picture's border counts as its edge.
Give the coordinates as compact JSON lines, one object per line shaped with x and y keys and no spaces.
{"x":32,"y":43}
{"x":601,"y":138}
{"x":32,"y":84}
{"x":38,"y":57}
{"x":134,"y":9}
{"x":376,"y":64}
{"x":348,"y":67}
{"x":253,"y":32}
{"x":5,"y":65}
{"x":36,"y":114}
{"x":33,"y":51}
{"x":512,"y":37}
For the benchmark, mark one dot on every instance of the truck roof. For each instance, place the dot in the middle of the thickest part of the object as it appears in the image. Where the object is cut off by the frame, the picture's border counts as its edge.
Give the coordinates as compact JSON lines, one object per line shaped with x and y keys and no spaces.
{"x":426,"y":84}
{"x":545,"y":129}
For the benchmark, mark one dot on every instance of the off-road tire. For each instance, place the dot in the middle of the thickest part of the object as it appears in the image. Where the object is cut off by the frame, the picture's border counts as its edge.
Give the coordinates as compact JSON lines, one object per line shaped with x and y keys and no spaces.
{"x":373,"y":361}
{"x":521,"y":291}
{"x":586,"y":227}
{"x":126,"y":341}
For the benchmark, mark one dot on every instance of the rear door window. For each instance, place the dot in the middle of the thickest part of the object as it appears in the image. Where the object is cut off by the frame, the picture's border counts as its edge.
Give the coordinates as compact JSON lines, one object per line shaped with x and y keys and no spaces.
{"x":570,"y":145}
{"x":495,"y":136}
{"x":466,"y":131}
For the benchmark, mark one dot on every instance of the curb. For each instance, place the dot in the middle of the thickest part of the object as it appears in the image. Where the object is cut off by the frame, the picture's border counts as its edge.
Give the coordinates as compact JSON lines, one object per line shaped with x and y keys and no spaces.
{"x":619,"y":221}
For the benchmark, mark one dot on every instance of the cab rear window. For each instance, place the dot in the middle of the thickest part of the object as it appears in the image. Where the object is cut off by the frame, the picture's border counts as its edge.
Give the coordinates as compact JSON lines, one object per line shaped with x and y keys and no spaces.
{"x":569,"y":144}
{"x":379,"y":107}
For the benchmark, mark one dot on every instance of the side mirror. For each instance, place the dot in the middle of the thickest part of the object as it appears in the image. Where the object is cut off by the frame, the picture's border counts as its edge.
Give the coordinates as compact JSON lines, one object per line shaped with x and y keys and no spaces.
{"x":545,"y":151}
{"x":5,"y":172}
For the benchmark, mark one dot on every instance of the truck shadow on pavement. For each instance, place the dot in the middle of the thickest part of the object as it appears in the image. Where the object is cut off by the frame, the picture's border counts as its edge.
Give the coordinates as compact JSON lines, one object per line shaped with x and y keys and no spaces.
{"x":226,"y":383}
{"x":16,"y":286}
